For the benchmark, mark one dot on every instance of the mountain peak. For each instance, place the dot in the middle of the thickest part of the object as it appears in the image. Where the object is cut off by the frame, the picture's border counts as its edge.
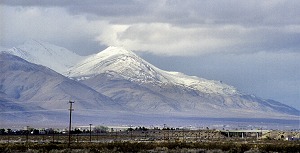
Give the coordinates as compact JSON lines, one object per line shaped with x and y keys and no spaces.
{"x":114,"y":51}
{"x":115,"y":59}
{"x":57,"y":58}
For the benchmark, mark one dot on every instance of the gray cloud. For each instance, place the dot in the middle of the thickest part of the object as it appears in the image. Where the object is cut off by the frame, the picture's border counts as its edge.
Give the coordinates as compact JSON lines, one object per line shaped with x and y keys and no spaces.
{"x":54,"y":25}
{"x":167,"y":39}
{"x":165,"y":27}
{"x":100,"y":8}
{"x":255,"y":12}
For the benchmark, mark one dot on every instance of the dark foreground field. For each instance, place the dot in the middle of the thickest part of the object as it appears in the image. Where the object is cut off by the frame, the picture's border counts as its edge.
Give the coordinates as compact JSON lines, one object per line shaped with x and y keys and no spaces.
{"x":152,"y":141}
{"x":153,"y":147}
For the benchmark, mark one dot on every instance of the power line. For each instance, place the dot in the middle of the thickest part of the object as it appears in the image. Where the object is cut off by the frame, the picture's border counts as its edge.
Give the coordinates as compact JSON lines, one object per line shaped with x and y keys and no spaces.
{"x":29,"y":111}
{"x":24,"y":102}
{"x":56,"y":110}
{"x":29,"y":101}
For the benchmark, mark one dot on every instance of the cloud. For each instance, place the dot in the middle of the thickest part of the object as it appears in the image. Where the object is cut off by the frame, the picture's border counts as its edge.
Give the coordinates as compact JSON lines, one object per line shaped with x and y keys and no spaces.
{"x":171,"y":40}
{"x":168,"y":27}
{"x":54,"y":25}
{"x":255,"y":12}
{"x":100,"y":8}
{"x":160,"y":38}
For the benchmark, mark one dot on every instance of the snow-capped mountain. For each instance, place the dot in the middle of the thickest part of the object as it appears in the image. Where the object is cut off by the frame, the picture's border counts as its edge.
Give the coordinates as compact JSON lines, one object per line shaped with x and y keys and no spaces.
{"x":133,"y":68}
{"x":42,"y":87}
{"x":142,"y":87}
{"x":57,"y":58}
{"x":120,"y":84}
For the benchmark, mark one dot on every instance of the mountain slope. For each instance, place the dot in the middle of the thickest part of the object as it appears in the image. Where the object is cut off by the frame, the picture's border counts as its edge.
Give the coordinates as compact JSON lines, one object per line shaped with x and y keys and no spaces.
{"x":57,"y":58}
{"x":140,"y":86}
{"x":40,"y":86}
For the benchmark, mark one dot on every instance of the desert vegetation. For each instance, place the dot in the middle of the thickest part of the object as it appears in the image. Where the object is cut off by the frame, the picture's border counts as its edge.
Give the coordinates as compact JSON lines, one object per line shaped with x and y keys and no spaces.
{"x":143,"y":140}
{"x":267,"y":146}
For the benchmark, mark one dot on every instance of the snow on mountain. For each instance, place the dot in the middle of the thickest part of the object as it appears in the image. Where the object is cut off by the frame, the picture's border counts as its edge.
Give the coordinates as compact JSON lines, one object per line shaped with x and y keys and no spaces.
{"x":42,"y":87}
{"x":134,"y":68}
{"x":142,"y":87}
{"x":118,"y":60}
{"x":57,"y":58}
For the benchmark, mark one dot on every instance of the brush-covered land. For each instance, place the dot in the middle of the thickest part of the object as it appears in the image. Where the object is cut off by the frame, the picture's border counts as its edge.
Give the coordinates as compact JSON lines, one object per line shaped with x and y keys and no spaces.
{"x":154,"y":141}
{"x":153,"y":147}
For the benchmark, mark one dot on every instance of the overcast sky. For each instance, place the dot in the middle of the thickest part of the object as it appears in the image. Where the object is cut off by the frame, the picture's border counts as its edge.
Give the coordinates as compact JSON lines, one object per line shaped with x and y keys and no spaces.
{"x":252,"y":45}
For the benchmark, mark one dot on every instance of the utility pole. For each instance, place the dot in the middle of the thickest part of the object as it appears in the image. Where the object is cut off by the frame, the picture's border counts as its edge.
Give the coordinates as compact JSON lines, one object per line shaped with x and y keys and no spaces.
{"x":70,"y":123}
{"x":91,"y":132}
{"x":27,"y":133}
{"x":131,"y":132}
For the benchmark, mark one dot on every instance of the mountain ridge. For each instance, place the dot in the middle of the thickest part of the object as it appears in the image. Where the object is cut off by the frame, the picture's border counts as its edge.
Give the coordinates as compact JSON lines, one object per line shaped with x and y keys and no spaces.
{"x":182,"y":91}
{"x":133,"y":85}
{"x":39,"y":52}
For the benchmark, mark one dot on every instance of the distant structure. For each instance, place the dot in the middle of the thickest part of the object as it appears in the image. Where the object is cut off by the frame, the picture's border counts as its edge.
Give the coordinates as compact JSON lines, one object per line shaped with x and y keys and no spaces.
{"x":244,"y":133}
